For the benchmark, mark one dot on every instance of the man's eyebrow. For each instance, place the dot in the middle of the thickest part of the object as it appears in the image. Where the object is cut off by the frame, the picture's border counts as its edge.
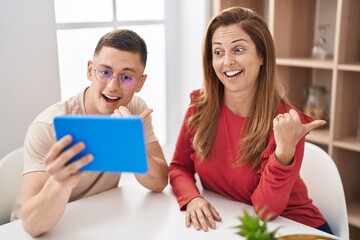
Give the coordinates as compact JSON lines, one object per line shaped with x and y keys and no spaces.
{"x":105,"y":66}
{"x":130,"y":69}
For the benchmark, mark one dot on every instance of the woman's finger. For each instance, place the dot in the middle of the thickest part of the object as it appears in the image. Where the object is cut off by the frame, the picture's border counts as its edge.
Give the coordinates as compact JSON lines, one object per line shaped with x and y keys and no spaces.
{"x":314,"y":124}
{"x":188,"y":219}
{"x":202,"y":219}
{"x":194,"y":220}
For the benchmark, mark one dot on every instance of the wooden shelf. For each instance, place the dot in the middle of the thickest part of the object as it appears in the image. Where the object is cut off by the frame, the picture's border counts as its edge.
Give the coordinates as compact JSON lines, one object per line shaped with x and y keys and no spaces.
{"x":349,"y":143}
{"x":306,"y":62}
{"x":320,"y":136}
{"x":354,"y":214}
{"x":350,"y":67}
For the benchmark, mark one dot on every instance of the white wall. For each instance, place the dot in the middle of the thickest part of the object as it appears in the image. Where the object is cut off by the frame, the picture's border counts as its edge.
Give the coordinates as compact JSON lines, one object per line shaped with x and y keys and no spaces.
{"x":184,"y":72}
{"x":29,"y":79}
{"x":29,"y":76}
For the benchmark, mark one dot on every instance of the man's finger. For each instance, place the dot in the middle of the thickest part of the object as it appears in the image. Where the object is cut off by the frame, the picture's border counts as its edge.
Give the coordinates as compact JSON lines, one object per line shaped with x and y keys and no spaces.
{"x":57,"y":148}
{"x":124,"y":111}
{"x":146,"y":113}
{"x":314,"y":124}
{"x":116,"y":113}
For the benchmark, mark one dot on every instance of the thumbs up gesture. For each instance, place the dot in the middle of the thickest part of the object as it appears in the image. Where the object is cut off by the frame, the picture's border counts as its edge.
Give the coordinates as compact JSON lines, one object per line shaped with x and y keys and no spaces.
{"x":288,"y":130}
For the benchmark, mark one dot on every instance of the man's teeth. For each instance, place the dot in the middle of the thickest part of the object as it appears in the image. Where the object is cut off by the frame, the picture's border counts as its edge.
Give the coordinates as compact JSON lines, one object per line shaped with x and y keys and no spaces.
{"x":110,"y":97}
{"x":232,"y":73}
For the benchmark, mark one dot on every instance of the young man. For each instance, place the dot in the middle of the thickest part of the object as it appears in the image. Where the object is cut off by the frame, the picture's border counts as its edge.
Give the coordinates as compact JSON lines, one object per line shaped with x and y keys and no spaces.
{"x":116,"y":74}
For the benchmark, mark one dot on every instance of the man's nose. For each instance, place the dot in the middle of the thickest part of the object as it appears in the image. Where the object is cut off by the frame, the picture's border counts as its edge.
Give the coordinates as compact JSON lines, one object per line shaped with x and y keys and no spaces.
{"x":113,"y":83}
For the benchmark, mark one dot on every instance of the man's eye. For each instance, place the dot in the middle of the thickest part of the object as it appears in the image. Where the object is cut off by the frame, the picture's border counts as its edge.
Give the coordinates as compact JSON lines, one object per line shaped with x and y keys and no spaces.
{"x":126,"y":78}
{"x":106,"y":73}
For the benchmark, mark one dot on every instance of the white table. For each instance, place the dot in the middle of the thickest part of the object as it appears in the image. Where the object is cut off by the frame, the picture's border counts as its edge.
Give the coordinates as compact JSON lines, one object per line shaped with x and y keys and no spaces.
{"x":131,"y":212}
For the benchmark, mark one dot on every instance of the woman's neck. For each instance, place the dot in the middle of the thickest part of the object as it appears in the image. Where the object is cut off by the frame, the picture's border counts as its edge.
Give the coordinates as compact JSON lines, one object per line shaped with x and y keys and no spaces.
{"x":239,"y":103}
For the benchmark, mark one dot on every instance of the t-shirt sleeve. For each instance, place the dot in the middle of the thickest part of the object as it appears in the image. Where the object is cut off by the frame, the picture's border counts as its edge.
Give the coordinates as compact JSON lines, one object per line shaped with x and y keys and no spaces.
{"x":38,"y":141}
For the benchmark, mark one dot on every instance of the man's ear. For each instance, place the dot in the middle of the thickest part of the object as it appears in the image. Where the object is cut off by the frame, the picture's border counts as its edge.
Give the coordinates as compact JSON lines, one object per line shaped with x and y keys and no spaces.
{"x":140,"y":83}
{"x":90,"y":70}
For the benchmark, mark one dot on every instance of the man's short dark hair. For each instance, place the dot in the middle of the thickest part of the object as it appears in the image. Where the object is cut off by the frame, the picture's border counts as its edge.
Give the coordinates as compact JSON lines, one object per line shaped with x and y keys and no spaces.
{"x":124,"y":40}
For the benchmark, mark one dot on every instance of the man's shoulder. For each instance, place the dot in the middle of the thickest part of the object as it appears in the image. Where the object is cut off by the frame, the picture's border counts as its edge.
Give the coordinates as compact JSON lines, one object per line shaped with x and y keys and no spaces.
{"x":137,"y":105}
{"x":136,"y":100}
{"x":70,"y":106}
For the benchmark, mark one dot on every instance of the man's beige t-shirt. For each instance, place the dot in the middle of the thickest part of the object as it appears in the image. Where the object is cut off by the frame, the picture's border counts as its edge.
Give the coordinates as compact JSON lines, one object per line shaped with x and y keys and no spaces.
{"x":40,"y":137}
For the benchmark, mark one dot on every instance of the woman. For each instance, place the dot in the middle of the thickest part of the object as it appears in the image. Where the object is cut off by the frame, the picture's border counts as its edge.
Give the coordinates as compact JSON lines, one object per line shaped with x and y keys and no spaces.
{"x":240,"y":134}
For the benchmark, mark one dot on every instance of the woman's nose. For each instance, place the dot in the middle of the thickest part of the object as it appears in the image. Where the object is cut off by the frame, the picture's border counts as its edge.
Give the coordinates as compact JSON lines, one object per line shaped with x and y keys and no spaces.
{"x":229,"y":59}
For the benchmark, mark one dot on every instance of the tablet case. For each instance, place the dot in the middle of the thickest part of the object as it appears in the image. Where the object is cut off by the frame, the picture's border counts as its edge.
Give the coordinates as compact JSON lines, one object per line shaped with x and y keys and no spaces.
{"x":117,"y":144}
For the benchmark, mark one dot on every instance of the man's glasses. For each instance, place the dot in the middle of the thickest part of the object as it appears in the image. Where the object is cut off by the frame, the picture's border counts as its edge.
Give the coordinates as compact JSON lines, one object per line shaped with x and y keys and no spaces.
{"x":104,"y":75}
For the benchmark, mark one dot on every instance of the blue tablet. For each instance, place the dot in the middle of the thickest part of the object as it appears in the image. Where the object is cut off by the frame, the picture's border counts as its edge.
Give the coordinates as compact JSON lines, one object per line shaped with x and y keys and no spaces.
{"x":117,"y":144}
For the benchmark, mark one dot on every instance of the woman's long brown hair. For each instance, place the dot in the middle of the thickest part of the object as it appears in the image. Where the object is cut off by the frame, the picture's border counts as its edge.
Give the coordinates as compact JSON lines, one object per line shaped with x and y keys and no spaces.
{"x":268,"y":94}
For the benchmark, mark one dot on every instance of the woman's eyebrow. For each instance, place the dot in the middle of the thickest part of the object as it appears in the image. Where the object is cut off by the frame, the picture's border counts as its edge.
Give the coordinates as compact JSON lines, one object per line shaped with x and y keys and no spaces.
{"x":234,"y":41}
{"x":239,"y":40}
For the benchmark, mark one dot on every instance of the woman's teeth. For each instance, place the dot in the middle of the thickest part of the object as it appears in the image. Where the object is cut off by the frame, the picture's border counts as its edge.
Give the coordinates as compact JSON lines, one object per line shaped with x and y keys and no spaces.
{"x":232,"y":73}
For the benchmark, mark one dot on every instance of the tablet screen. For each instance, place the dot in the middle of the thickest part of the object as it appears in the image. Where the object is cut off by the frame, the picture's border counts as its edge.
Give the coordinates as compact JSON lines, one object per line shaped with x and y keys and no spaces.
{"x":117,"y":144}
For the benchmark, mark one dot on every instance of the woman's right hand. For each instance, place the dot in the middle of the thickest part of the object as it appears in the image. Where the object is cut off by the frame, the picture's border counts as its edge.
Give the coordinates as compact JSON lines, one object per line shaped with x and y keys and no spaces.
{"x":57,"y":158}
{"x":201,"y":214}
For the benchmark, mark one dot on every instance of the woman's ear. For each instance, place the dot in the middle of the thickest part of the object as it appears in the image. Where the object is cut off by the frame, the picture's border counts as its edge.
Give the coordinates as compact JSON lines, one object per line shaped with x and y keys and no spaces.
{"x":140,"y":83}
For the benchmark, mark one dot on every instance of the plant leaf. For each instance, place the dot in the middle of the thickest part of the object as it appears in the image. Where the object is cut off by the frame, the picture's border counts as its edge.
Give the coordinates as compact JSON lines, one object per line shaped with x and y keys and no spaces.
{"x":253,"y":228}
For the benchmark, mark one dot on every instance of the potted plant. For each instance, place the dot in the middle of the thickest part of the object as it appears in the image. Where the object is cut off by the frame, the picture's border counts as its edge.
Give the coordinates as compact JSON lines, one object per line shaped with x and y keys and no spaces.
{"x":252,"y":228}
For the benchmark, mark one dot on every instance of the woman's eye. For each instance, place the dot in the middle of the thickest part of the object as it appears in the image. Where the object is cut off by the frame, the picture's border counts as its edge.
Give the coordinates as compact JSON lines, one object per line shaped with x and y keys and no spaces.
{"x":217,"y":52}
{"x":239,"y":49}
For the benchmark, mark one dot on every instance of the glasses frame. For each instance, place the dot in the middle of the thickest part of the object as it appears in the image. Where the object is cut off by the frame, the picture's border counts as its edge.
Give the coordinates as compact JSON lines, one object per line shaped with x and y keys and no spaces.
{"x":112,"y":76}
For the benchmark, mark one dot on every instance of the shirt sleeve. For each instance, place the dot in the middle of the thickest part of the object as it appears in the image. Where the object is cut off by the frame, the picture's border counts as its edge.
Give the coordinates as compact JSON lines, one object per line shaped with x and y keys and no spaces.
{"x":182,"y":169}
{"x":38,"y":141}
{"x":276,"y":182}
{"x":272,"y":194}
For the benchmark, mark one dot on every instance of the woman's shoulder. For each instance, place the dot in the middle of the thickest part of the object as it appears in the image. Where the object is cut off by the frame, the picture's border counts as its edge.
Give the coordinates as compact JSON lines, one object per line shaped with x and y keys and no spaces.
{"x":194,"y":99}
{"x":195,"y":94}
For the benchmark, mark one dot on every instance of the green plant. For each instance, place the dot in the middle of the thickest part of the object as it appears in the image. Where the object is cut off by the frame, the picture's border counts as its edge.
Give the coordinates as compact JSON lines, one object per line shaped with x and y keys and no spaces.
{"x":253,"y":228}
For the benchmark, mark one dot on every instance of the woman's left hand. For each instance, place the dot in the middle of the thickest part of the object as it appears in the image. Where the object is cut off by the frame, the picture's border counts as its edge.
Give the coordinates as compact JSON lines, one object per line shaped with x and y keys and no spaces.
{"x":288,"y":130}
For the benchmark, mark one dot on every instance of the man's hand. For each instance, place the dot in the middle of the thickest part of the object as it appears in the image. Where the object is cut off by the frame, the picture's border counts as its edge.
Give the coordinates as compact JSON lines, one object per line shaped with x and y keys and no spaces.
{"x":157,"y":177}
{"x":124,"y":112}
{"x":56,"y":162}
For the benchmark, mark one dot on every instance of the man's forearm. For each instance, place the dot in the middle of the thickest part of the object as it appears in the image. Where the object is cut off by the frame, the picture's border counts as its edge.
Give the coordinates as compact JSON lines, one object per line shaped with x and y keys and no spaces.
{"x":42,"y":211}
{"x":157,"y":177}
